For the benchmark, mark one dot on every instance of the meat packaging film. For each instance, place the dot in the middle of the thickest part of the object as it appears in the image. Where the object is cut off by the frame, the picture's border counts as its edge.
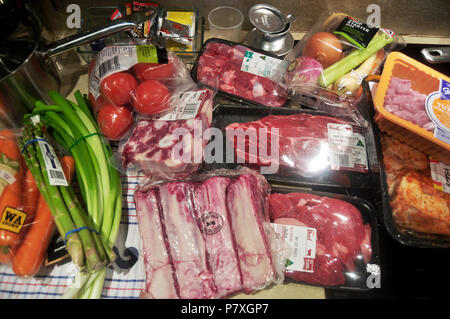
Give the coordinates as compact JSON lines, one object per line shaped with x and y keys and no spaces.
{"x":241,"y":73}
{"x":346,"y":249}
{"x":304,"y":147}
{"x":213,"y":236}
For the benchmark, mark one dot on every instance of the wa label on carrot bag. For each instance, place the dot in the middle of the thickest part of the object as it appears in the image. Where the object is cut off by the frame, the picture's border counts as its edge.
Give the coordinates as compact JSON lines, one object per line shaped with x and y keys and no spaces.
{"x":13,"y":220}
{"x":347,"y":148}
{"x":303,"y":244}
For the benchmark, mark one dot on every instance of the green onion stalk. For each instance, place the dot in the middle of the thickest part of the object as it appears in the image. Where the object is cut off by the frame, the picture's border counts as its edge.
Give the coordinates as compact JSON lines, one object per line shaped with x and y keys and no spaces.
{"x":73,"y":126}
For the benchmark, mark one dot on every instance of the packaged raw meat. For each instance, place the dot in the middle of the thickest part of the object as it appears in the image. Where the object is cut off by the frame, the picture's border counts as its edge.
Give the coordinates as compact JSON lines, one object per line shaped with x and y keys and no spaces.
{"x":330,"y":62}
{"x":171,"y":146}
{"x":208,"y":236}
{"x":241,"y":73}
{"x":133,"y":81}
{"x":284,"y":144}
{"x":412,"y":104}
{"x":334,"y":237}
{"x":416,"y":195}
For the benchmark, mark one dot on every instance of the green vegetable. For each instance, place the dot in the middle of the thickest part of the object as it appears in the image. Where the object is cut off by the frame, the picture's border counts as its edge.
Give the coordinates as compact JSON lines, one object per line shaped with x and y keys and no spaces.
{"x":348,"y":63}
{"x":84,"y":246}
{"x":74,"y":127}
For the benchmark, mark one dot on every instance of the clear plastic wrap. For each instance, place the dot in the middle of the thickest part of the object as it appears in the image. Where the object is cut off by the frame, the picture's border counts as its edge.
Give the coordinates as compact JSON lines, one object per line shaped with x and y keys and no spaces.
{"x":208,"y":236}
{"x":133,"y":81}
{"x":171,"y":146}
{"x":330,"y":62}
{"x":335,"y":237}
{"x":288,"y":144}
{"x":26,"y":224}
{"x":241,"y":73}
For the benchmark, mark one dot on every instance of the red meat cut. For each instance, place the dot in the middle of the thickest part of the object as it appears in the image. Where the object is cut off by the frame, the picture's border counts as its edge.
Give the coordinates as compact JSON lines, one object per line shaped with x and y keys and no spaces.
{"x":342,"y":236}
{"x":302,"y":142}
{"x":219,"y":66}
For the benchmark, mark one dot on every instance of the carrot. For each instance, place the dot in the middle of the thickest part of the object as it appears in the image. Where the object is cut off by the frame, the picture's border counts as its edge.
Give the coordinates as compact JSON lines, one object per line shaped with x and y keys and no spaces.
{"x":11,"y":195}
{"x":6,"y":254}
{"x":31,"y":253}
{"x":30,"y":194}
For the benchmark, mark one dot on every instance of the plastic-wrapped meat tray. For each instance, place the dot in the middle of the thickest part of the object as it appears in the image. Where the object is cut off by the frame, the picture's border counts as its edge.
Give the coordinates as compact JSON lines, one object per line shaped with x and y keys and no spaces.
{"x":352,"y":182}
{"x":235,"y":97}
{"x":365,"y":276}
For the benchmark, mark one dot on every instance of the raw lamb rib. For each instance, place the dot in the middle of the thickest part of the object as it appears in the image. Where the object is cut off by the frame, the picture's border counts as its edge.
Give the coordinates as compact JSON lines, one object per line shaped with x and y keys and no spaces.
{"x":210,"y":203}
{"x":303,"y":142}
{"x":158,"y":267}
{"x":342,"y":236}
{"x":245,"y":207}
{"x":186,"y":245}
{"x":219,"y":66}
{"x":204,"y":239}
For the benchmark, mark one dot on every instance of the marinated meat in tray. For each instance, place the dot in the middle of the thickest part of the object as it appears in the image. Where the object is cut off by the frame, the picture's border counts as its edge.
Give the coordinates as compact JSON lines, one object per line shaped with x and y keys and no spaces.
{"x":220,"y":66}
{"x":416,"y":204}
{"x":342,"y":236}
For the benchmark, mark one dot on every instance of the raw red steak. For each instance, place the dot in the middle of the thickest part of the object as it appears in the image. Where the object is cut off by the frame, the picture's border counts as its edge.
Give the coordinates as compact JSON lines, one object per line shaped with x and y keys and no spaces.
{"x":342,"y":236}
{"x":302,"y":142}
{"x":219,"y":66}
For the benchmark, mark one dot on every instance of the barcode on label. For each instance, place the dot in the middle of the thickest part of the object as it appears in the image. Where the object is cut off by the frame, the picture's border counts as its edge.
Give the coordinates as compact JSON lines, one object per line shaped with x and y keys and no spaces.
{"x":56,"y":174}
{"x":190,"y":109}
{"x":108,"y":66}
{"x":342,"y":160}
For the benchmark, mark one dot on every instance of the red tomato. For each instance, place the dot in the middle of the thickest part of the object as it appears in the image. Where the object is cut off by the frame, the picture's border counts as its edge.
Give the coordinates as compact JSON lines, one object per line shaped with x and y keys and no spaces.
{"x":151,"y":97}
{"x":154,"y":71}
{"x":96,"y":104}
{"x":114,"y":121}
{"x":118,"y":87}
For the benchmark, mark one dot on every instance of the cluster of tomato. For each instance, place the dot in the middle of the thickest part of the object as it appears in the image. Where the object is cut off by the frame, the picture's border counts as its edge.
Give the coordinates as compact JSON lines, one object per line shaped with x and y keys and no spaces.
{"x":143,"y":90}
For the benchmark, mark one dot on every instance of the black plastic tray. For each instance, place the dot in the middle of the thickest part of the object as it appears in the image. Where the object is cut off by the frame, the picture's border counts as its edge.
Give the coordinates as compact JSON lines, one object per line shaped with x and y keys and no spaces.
{"x":345,"y":182}
{"x":233,"y":97}
{"x":403,"y":236}
{"x":356,"y":280}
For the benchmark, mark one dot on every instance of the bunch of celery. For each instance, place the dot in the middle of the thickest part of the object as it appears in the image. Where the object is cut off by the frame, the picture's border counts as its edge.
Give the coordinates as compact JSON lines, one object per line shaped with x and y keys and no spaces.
{"x":73,"y":126}
{"x":85,"y":247}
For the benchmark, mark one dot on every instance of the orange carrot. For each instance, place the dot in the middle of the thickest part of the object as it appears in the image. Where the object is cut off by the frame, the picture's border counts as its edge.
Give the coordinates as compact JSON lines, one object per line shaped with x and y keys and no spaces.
{"x":11,"y":195}
{"x":30,"y":194}
{"x":31,"y":253}
{"x":6,"y":254}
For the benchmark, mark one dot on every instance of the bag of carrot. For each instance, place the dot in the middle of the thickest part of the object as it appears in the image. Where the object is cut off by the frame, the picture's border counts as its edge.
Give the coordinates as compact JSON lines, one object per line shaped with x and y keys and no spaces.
{"x":23,"y":221}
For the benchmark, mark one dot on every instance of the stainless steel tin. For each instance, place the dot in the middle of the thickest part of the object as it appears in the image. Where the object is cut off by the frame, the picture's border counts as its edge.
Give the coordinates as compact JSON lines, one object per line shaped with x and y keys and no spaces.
{"x":276,"y":43}
{"x":268,"y":19}
{"x":437,"y":54}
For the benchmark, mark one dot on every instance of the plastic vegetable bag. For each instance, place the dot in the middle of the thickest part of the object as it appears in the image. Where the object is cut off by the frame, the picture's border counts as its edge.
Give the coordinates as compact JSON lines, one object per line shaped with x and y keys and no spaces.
{"x":26,"y":222}
{"x":208,"y":236}
{"x":330,"y":62}
{"x":130,"y":81}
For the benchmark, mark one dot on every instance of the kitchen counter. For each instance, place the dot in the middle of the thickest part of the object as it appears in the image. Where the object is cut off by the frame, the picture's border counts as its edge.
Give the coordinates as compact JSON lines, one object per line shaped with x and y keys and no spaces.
{"x":293,"y":290}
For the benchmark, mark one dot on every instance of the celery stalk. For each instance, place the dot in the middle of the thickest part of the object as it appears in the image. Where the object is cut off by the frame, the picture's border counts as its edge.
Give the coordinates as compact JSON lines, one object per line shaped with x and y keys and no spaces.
{"x":348,"y":63}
